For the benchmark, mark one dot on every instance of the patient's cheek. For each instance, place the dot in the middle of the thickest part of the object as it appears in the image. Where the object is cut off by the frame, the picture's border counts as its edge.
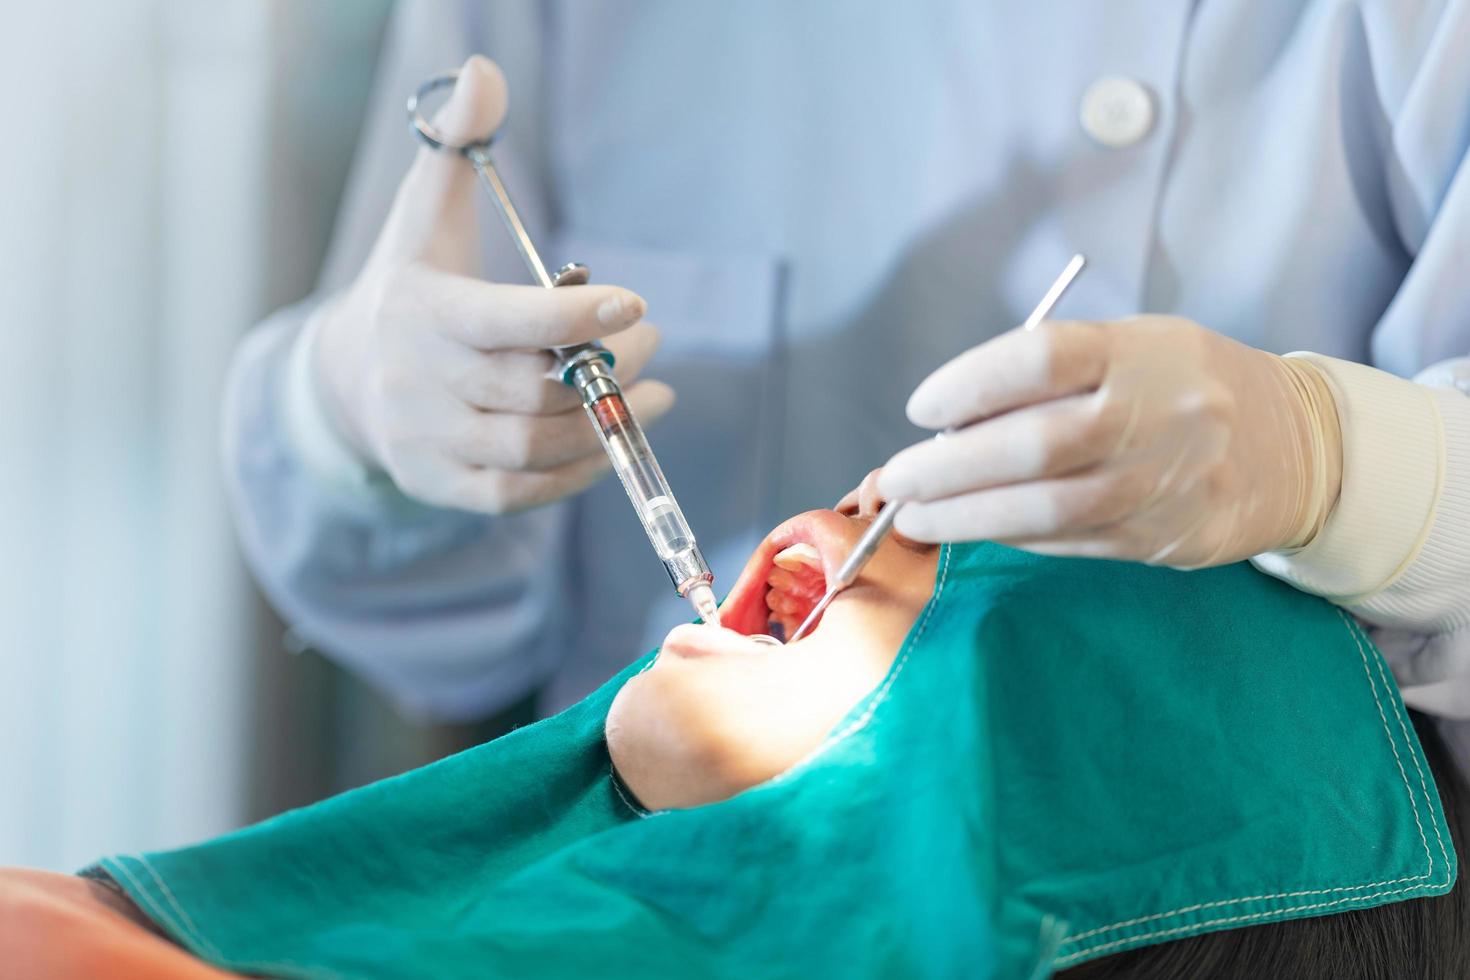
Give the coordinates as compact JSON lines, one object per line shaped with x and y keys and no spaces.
{"x":635,"y":768}
{"x":674,"y":750}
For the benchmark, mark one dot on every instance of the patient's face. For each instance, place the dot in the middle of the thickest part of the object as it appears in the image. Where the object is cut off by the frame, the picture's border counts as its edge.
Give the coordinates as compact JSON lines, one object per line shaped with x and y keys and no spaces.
{"x":719,"y":712}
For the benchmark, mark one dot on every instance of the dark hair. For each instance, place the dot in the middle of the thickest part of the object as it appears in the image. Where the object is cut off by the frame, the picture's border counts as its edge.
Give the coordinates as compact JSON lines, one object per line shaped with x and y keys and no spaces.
{"x":1423,"y":938}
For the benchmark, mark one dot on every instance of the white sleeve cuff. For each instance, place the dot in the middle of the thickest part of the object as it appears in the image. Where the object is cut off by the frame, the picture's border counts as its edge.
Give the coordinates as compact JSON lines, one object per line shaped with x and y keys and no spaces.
{"x":337,"y":469}
{"x":1396,"y":549}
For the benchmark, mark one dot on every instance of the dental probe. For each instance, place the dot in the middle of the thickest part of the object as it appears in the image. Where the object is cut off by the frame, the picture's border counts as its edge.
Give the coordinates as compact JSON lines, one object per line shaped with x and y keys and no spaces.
{"x":867,"y":545}
{"x":587,"y":368}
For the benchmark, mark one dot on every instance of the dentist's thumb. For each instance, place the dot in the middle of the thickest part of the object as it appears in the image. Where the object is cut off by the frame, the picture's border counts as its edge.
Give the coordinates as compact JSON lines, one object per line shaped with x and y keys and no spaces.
{"x":435,"y":199}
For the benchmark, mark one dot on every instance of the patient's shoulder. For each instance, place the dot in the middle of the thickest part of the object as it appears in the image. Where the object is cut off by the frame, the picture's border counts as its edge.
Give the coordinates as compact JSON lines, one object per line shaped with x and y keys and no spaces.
{"x":60,"y":926}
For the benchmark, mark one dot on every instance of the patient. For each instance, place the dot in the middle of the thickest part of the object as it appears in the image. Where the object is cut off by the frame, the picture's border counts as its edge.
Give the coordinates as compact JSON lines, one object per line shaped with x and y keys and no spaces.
{"x":718,"y":712}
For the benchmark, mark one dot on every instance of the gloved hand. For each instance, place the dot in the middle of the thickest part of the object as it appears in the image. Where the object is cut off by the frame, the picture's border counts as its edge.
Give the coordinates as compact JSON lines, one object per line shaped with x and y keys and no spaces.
{"x":1151,"y":439}
{"x":435,"y":376}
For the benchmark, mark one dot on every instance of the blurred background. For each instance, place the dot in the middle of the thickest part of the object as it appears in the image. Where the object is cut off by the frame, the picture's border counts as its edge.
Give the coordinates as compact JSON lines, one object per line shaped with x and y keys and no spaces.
{"x":170,"y":174}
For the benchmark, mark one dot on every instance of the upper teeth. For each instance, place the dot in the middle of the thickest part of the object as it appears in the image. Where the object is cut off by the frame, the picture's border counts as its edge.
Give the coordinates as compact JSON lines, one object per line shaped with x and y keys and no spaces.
{"x":798,"y":556}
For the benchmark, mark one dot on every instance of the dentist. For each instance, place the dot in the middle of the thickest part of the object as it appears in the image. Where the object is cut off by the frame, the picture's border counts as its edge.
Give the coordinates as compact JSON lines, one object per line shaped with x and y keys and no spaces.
{"x":817,"y":204}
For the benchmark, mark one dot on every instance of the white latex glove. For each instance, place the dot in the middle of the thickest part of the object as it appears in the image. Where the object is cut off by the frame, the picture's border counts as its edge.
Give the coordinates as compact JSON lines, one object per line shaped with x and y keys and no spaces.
{"x":1151,"y":439}
{"x":438,"y":377}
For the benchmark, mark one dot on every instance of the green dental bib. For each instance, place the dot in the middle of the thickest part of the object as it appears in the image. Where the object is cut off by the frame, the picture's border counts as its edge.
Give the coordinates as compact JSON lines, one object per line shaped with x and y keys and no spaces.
{"x":1067,"y":759}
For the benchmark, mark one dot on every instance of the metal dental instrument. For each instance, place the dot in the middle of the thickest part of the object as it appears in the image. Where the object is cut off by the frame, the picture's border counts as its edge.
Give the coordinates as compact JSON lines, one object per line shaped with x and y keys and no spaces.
{"x":588,"y":369}
{"x":867,"y":545}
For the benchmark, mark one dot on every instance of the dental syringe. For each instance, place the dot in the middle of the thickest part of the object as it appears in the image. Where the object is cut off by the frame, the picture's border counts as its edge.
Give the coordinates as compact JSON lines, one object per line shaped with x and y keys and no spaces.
{"x":587,"y":368}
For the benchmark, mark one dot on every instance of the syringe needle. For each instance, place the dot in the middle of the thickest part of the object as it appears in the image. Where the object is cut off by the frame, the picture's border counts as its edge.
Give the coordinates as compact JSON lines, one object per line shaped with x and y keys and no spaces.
{"x":702,"y":598}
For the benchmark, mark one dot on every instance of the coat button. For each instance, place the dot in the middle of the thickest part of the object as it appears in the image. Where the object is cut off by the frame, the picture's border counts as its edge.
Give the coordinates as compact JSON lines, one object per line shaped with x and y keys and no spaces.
{"x":1117,"y":112}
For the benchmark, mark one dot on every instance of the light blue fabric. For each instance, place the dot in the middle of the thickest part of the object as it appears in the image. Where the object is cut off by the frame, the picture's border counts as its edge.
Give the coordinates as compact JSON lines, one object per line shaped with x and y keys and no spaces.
{"x":824,"y":201}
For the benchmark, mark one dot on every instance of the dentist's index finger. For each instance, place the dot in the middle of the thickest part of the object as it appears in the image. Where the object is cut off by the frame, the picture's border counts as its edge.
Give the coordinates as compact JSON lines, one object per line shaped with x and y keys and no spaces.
{"x":495,"y":316}
{"x":1016,"y":369}
{"x":522,"y":380}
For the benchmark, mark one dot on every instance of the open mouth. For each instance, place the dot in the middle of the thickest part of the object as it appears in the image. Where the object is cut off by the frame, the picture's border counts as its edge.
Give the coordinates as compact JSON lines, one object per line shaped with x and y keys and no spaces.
{"x":787,"y":576}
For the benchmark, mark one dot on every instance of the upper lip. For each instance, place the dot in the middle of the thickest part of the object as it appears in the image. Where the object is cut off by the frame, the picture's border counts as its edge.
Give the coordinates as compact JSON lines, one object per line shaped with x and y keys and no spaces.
{"x":744,"y":610}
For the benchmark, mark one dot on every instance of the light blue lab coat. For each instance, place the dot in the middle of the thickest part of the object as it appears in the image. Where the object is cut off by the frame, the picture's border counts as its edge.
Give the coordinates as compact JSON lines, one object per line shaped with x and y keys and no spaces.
{"x":821,"y":203}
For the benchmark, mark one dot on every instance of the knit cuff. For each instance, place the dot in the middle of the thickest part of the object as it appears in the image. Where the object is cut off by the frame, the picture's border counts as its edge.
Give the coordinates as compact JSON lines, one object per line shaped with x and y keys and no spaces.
{"x":1389,"y":550}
